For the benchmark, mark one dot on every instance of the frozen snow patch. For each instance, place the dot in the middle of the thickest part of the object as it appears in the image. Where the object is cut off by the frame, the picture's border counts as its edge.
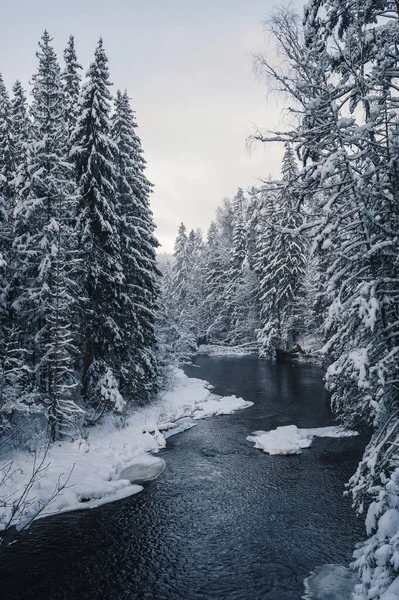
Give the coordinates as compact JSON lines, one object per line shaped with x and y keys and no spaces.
{"x":181,"y":425}
{"x":330,"y":582}
{"x":291,"y":440}
{"x":217,"y":405}
{"x":145,"y":468}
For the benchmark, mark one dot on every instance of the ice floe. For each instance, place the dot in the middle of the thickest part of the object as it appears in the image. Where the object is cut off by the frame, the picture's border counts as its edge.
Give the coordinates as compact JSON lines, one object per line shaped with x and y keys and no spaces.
{"x":291,"y":440}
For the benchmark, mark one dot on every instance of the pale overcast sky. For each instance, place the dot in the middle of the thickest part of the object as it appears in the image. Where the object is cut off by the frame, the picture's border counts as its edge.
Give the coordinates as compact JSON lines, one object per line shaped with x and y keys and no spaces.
{"x":187,"y":66}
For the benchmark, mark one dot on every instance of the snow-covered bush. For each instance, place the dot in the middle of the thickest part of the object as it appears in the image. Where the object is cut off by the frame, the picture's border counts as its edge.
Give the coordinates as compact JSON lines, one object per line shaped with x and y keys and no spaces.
{"x":103,"y":391}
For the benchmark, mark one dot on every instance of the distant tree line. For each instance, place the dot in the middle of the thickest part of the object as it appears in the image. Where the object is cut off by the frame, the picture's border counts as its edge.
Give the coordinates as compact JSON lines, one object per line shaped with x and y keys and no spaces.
{"x":251,"y":282}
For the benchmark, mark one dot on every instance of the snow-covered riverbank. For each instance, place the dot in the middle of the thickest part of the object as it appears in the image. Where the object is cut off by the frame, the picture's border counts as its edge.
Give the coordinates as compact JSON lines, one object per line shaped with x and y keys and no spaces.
{"x":93,"y":466}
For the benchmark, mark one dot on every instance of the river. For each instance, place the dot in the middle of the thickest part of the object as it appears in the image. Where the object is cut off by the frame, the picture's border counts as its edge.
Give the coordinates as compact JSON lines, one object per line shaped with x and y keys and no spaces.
{"x":223,"y":522}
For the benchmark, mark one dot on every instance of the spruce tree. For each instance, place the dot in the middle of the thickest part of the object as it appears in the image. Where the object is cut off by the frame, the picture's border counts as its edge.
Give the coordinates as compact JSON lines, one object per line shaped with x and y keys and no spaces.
{"x":217,"y":255}
{"x":21,"y":129}
{"x":238,"y":292}
{"x":7,"y":165}
{"x":282,"y":261}
{"x":181,"y":264}
{"x":269,"y":332}
{"x":98,"y":227}
{"x":138,"y":245}
{"x":45,"y":300}
{"x":7,"y":151}
{"x":71,"y":81}
{"x":239,"y":234}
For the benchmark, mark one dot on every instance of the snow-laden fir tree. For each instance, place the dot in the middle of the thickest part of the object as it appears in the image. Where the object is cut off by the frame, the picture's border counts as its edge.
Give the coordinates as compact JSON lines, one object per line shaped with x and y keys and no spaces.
{"x":98,"y":228}
{"x":282,"y":260}
{"x":241,"y":287}
{"x":138,"y":245}
{"x":44,"y":294}
{"x":71,"y":82}
{"x":175,"y":339}
{"x":21,"y":132}
{"x":239,"y":232}
{"x":180,"y":264}
{"x":194,"y":285}
{"x":182,"y":289}
{"x":7,"y":171}
{"x":217,"y":263}
{"x":7,"y":150}
{"x":269,"y":333}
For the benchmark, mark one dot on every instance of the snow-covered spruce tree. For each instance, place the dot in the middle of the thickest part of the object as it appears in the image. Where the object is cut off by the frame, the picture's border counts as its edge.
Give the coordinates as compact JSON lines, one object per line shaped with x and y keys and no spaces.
{"x":4,"y":258}
{"x":7,"y":198}
{"x":343,"y":79}
{"x":20,"y":131}
{"x":195,"y":249}
{"x":181,"y":272}
{"x":7,"y":151}
{"x":239,"y":233}
{"x":282,"y":262}
{"x":138,"y":244}
{"x":71,"y":81}
{"x":180,"y":264}
{"x":179,"y":322}
{"x":14,"y":369}
{"x":7,"y":163}
{"x":44,"y":295}
{"x":269,"y":332}
{"x":175,"y":341}
{"x":255,"y":224}
{"x":240,"y":291}
{"x":217,"y":261}
{"x":101,"y":272}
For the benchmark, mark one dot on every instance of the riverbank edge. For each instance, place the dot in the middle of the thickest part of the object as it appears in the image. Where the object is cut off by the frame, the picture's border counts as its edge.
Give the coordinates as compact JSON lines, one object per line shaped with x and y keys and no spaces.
{"x":89,"y":469}
{"x":313,"y":356}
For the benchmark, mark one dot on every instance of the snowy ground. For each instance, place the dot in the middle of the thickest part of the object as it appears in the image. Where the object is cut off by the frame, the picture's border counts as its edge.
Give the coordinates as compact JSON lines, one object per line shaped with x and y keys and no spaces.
{"x":291,"y":440}
{"x":94,"y":466}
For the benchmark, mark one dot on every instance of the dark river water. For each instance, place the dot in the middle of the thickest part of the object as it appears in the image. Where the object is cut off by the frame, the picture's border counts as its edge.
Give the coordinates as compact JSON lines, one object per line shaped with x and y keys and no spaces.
{"x":224,"y":520}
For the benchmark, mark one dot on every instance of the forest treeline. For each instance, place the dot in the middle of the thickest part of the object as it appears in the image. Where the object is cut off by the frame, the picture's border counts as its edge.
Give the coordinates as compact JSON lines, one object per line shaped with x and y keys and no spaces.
{"x":252,"y":281}
{"x":78,"y":275}
{"x":321,"y":248}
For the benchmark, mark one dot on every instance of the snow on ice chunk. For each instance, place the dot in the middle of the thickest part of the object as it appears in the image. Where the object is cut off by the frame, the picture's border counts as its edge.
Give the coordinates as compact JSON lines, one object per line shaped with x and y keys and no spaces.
{"x":291,"y":440}
{"x":181,"y":425}
{"x":330,"y":582}
{"x":145,"y":468}
{"x":220,"y":406}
